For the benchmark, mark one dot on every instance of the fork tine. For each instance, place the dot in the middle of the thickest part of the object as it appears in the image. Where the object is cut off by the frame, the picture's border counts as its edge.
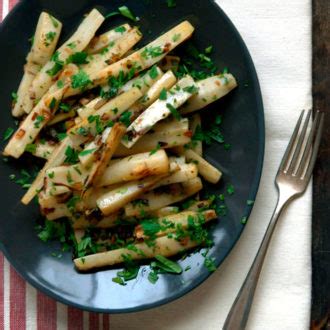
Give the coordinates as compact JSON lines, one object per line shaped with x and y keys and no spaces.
{"x":315,"y":148}
{"x":286,"y":156}
{"x":298,"y":149}
{"x":306,"y":154}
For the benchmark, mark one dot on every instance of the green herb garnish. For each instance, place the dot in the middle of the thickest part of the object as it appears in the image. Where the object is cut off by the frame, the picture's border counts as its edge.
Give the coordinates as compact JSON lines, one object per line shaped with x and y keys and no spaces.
{"x":153,"y":72}
{"x":80,"y":80}
{"x":163,"y":94}
{"x":86,"y":152}
{"x":78,"y":58}
{"x":8,"y":133}
{"x":71,"y":156}
{"x":152,"y":152}
{"x":173,"y":111}
{"x":209,"y":263}
{"x":151,"y":52}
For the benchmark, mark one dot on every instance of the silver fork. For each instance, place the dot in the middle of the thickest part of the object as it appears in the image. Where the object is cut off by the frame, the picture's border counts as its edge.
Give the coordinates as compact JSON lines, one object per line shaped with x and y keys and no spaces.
{"x":291,"y":182}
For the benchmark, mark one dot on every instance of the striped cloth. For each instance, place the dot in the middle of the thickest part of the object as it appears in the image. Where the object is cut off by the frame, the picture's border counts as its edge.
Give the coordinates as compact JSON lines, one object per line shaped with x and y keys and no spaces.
{"x":22,"y":306}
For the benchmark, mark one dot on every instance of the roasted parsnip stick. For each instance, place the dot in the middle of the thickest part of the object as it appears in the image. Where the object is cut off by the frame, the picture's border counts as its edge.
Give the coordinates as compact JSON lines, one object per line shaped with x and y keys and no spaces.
{"x":57,"y":158}
{"x":44,"y":42}
{"x":153,"y":141}
{"x":142,"y":82}
{"x":205,"y":169}
{"x":210,"y":90}
{"x":162,"y":108}
{"x":78,"y":42}
{"x":143,"y":58}
{"x":106,"y":152}
{"x":33,"y":124}
{"x":164,"y":246}
{"x":186,"y":172}
{"x":135,"y":167}
{"x":114,"y":53}
{"x":169,"y":224}
{"x":118,"y":198}
{"x":155,"y":200}
{"x":105,"y":40}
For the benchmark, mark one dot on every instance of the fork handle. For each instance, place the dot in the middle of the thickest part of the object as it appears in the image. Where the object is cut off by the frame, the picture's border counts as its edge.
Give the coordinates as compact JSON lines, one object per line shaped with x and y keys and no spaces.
{"x":239,"y":312}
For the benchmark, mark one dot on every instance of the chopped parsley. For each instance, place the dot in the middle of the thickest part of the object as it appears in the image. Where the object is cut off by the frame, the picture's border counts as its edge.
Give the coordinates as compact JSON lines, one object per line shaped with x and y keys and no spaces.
{"x":163,"y":94}
{"x":51,"y":175}
{"x":98,"y":124}
{"x":208,"y":50}
{"x":72,"y":202}
{"x":86,"y":152}
{"x":176,"y":37}
{"x":61,"y":136}
{"x":152,"y":152}
{"x":151,"y":52}
{"x":120,"y":29}
{"x":153,"y":277}
{"x":191,"y":89}
{"x":52,"y":104}
{"x":80,"y":80}
{"x":171,"y":3}
{"x":38,"y":121}
{"x":230,"y":189}
{"x":58,"y":65}
{"x":60,"y":83}
{"x":124,"y":10}
{"x":78,"y":58}
{"x":153,"y":72}
{"x":173,"y":111}
{"x":249,"y":202}
{"x":8,"y":133}
{"x":54,"y":21}
{"x":118,"y":280}
{"x":31,"y":147}
{"x":14,"y":97}
{"x":50,"y":36}
{"x":209,"y":263}
{"x":244,"y":220}
{"x":125,"y":118}
{"x":71,"y":156}
{"x":64,"y":107}
{"x":168,"y":265}
{"x":72,"y":45}
{"x":26,"y":178}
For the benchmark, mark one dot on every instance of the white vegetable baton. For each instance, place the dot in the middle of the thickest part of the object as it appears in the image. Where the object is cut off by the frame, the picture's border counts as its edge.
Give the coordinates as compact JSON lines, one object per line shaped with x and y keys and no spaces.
{"x":161,"y":109}
{"x":100,"y":42}
{"x":164,"y":246}
{"x":143,"y":58}
{"x":78,"y":42}
{"x":34,"y":122}
{"x":44,"y":42}
{"x":210,"y":90}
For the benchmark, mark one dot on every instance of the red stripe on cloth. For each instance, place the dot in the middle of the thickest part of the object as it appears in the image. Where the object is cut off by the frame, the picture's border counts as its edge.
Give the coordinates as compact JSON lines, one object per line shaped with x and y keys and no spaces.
{"x":75,"y":319}
{"x":17,"y":301}
{"x":106,"y":322}
{"x":93,"y":321}
{"x":46,"y":312}
{"x":2,"y":323}
{"x":12,"y":3}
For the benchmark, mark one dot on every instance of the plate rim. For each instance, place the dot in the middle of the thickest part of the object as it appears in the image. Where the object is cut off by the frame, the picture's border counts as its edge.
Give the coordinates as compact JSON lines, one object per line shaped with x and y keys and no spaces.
{"x":253,"y":191}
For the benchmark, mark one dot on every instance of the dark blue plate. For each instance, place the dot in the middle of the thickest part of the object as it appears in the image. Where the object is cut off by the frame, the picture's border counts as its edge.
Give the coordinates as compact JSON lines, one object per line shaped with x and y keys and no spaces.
{"x":243,"y":128}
